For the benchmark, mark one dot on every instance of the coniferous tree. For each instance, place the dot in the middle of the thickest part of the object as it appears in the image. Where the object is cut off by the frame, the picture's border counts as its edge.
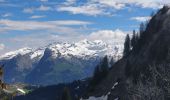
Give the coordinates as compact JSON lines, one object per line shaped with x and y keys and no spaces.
{"x":96,"y":75}
{"x":111,"y":61}
{"x":141,"y":28}
{"x":66,"y":94}
{"x":104,"y":66}
{"x":126,"y":46}
{"x":133,"y":40}
{"x":100,"y":72}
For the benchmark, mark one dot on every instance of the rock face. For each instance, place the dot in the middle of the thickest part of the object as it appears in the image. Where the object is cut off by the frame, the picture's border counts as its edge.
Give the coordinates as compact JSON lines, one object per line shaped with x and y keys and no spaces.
{"x":57,"y":62}
{"x":145,"y":73}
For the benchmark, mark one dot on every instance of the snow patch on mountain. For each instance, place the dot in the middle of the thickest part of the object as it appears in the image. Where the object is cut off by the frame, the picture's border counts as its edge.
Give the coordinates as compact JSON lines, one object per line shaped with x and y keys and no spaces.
{"x":37,"y":53}
{"x":97,"y":98}
{"x":82,"y":49}
{"x":85,"y":49}
{"x":12,"y":54}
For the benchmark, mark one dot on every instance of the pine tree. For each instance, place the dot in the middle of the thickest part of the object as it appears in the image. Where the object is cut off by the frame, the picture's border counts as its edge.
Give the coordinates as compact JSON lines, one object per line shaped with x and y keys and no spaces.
{"x":141,"y":28}
{"x":133,"y":40}
{"x":66,"y":94}
{"x":96,"y":76}
{"x":126,"y":46}
{"x":104,"y":66}
{"x":112,"y":61}
{"x":95,"y":79}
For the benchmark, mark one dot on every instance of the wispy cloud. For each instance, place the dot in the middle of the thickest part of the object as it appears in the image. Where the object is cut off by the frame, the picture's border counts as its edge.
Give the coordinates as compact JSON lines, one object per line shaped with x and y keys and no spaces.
{"x":70,"y":2}
{"x":6,"y":15}
{"x":90,"y":8}
{"x":141,"y":18}
{"x":40,"y":8}
{"x":109,"y":3}
{"x":61,"y":26}
{"x":106,"y":7}
{"x":43,"y":0}
{"x":85,"y":9}
{"x":28,"y":10}
{"x":37,"y":16}
{"x":44,"y":8}
{"x":141,"y":3}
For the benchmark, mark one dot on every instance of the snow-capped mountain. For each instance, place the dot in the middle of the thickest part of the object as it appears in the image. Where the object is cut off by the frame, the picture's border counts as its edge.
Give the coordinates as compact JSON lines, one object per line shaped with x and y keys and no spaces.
{"x":58,"y":62}
{"x":12,"y":54}
{"x":82,"y":49}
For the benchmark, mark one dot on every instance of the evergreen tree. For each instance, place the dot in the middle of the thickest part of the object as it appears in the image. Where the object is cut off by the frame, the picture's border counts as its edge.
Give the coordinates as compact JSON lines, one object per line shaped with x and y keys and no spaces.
{"x":112,"y":61}
{"x":133,"y":40}
{"x":95,"y":79}
{"x":96,"y":76}
{"x":104,"y":66}
{"x":126,"y":46}
{"x":141,"y":28}
{"x":66,"y":94}
{"x":100,"y":73}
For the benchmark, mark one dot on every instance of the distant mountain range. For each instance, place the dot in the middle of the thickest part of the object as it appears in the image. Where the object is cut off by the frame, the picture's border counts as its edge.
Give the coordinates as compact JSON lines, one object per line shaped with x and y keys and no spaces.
{"x":57,"y":62}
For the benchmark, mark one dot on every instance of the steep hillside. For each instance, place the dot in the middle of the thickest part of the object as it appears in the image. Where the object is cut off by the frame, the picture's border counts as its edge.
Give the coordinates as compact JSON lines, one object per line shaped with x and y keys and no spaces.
{"x":144,"y":73}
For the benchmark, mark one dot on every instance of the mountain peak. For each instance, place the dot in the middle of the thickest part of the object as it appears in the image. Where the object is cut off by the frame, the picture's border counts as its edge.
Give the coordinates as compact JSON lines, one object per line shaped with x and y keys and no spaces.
{"x":12,"y":54}
{"x":83,"y":49}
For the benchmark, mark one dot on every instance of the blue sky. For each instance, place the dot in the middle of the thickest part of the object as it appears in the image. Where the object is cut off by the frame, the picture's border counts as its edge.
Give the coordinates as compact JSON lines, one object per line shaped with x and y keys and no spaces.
{"x":34,"y":23}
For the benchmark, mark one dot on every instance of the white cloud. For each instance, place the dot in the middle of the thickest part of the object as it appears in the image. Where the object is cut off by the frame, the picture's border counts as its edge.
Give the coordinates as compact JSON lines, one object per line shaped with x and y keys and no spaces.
{"x":85,"y":9}
{"x":106,"y":7}
{"x":141,"y":19}
{"x":43,"y":8}
{"x":37,"y":16}
{"x":2,"y":46}
{"x":69,"y":2}
{"x":91,"y":7}
{"x":109,"y":3}
{"x":6,"y":15}
{"x":60,"y":26}
{"x":113,"y":37}
{"x":117,"y":36}
{"x":142,"y":3}
{"x":28,"y":10}
{"x":70,"y":22}
{"x":43,"y":0}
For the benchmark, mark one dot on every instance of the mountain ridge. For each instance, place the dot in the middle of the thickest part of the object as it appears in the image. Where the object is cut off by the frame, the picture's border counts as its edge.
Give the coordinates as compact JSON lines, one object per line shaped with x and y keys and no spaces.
{"x":81,"y":48}
{"x":74,"y":59}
